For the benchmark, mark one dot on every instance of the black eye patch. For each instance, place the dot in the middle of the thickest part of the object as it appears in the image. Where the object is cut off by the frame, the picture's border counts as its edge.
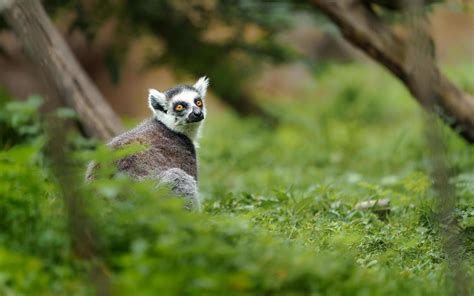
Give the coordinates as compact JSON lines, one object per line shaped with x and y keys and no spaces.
{"x":184,"y":104}
{"x":198,"y":101}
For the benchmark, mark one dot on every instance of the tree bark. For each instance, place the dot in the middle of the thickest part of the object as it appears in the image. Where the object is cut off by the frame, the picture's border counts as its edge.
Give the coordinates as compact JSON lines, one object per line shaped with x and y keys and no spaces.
{"x":361,"y":27}
{"x":48,"y":50}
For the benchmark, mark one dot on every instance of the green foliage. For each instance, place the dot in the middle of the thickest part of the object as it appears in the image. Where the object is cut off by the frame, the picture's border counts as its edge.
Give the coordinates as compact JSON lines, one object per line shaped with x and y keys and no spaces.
{"x":279,"y":205}
{"x":18,"y":121}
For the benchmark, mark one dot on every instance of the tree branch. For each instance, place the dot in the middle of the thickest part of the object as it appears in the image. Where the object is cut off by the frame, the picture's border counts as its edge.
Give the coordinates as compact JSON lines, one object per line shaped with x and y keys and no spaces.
{"x":48,"y":50}
{"x":361,"y":27}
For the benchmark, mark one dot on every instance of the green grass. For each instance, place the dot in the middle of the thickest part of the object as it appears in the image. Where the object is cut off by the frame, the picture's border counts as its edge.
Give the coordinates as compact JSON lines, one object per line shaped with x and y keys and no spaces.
{"x":359,"y":138}
{"x":278,"y":213}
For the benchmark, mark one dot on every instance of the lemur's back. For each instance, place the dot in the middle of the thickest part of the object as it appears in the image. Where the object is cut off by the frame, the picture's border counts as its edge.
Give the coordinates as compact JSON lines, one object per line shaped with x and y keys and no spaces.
{"x":165,"y":149}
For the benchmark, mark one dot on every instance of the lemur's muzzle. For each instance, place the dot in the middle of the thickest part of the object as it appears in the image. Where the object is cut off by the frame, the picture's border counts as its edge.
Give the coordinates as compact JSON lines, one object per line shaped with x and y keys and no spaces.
{"x":196,"y":115}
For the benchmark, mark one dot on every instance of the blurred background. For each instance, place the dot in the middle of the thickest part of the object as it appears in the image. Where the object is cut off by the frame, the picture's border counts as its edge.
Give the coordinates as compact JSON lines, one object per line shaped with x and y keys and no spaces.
{"x":252,"y":50}
{"x":302,"y":128}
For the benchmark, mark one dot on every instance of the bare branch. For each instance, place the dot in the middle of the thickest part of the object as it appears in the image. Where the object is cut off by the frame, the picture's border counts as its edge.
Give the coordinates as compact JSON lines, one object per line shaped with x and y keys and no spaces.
{"x":360,"y":26}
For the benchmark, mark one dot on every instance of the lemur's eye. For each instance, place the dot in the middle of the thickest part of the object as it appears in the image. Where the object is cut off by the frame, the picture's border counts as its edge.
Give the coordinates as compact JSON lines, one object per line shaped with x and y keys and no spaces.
{"x":199,"y":103}
{"x":179,"y":107}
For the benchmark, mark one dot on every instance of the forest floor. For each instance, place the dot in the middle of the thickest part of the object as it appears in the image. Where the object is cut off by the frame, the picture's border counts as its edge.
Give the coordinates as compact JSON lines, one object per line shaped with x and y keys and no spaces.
{"x":279,"y":205}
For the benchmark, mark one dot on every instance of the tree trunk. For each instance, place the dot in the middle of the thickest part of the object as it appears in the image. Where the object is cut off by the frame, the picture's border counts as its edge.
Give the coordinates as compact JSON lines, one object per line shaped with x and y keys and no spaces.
{"x":361,"y":27}
{"x":48,"y":50}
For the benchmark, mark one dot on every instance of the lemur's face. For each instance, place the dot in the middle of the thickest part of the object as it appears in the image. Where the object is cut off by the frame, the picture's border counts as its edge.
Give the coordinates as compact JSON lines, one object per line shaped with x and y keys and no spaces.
{"x":182,"y":107}
{"x":186,"y":106}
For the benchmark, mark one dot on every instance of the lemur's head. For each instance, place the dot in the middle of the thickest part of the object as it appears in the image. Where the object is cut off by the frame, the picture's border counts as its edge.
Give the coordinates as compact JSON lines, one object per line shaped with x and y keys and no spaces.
{"x":181,"y":108}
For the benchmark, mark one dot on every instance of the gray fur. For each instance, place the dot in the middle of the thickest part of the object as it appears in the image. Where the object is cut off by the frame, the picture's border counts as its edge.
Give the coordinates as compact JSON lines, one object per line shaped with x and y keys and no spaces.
{"x":166,"y":149}
{"x":170,"y":155}
{"x":170,"y":158}
{"x":182,"y":184}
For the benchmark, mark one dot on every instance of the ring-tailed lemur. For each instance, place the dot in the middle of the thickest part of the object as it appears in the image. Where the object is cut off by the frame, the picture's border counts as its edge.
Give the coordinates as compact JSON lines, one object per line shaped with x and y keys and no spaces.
{"x":170,"y":137}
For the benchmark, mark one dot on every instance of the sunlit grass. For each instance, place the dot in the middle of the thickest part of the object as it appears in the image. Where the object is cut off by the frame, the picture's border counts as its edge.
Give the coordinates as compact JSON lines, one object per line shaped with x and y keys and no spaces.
{"x":279,"y":211}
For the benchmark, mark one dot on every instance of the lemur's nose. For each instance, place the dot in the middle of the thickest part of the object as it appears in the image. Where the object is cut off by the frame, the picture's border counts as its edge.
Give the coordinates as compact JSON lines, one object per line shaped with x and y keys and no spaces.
{"x":196,"y":115}
{"x":197,"y":112}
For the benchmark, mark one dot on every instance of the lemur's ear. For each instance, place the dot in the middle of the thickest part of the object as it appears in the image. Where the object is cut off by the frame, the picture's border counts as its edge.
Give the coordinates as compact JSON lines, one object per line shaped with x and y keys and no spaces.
{"x":201,"y":86}
{"x":156,"y":100}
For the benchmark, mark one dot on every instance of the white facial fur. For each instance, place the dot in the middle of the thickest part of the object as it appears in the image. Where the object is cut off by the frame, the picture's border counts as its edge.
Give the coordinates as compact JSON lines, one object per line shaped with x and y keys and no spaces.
{"x":186,"y":95}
